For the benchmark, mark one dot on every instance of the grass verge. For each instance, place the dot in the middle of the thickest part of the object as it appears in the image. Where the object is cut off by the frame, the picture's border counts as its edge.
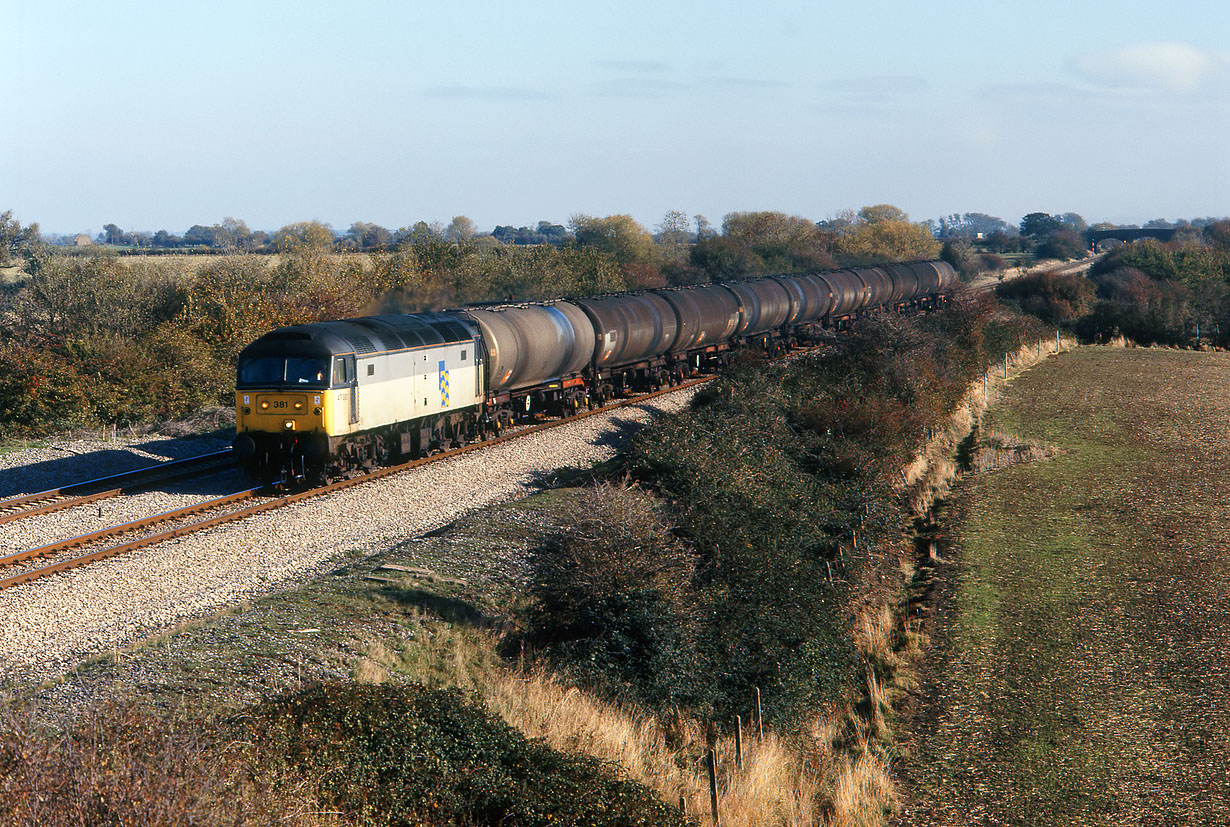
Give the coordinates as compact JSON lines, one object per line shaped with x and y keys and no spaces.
{"x":1079,"y":667}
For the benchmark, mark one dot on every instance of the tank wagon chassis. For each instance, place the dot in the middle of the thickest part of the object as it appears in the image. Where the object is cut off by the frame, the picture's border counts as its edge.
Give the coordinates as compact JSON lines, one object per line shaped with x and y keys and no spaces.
{"x":334,"y":399}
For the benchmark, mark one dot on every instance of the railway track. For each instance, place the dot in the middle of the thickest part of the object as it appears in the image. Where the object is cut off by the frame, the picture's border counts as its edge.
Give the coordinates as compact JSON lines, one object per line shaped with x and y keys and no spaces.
{"x":987,"y":282}
{"x":85,"y":549}
{"x":115,"y":485}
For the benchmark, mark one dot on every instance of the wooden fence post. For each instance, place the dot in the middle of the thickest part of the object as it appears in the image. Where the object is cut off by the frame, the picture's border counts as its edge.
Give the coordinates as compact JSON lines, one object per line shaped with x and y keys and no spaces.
{"x":713,"y":802}
{"x":739,"y":741}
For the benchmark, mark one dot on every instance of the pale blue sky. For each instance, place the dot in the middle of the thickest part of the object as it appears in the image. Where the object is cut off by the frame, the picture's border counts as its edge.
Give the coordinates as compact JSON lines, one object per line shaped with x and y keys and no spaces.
{"x":159,"y":115}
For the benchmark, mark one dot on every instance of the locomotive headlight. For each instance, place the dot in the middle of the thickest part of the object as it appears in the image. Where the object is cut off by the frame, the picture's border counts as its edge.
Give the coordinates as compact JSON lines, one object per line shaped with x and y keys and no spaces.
{"x":264,"y":406}
{"x":317,"y":411}
{"x":288,"y":425}
{"x":246,"y":410}
{"x":298,"y":406}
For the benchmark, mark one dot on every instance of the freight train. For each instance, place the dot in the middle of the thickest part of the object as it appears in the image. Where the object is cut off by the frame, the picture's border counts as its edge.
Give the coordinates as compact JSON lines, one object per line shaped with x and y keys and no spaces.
{"x":317,"y":401}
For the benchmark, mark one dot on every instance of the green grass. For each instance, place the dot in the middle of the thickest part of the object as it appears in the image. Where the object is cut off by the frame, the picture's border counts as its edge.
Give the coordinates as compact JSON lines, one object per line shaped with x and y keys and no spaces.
{"x":1079,"y":673}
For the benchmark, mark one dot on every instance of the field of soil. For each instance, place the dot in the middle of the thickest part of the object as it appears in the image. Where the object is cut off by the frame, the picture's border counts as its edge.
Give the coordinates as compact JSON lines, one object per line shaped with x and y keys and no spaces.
{"x":1079,"y":671}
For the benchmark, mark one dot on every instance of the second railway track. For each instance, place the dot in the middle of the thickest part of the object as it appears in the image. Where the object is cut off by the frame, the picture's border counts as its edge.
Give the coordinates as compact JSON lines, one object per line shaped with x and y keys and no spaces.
{"x":114,"y":485}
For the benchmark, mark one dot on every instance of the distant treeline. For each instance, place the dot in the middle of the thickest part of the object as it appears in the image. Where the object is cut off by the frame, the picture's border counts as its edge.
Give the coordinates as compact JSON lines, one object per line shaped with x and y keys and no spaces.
{"x":1173,"y":293}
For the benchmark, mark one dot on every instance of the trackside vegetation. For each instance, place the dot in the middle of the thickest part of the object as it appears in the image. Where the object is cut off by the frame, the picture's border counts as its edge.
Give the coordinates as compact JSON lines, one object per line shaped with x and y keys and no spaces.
{"x":328,"y":754}
{"x":1172,"y":293}
{"x":763,"y":517}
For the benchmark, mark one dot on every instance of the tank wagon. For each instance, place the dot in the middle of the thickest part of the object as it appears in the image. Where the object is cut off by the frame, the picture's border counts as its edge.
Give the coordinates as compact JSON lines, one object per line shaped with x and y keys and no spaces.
{"x":321,"y":400}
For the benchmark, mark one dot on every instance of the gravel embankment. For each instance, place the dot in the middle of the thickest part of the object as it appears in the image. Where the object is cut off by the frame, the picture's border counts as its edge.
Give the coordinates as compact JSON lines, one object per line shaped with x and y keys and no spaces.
{"x":47,"y":626}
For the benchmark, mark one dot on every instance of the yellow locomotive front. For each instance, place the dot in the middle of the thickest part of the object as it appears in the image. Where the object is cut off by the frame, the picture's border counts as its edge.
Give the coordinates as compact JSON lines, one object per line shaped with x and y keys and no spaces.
{"x":282,"y":406}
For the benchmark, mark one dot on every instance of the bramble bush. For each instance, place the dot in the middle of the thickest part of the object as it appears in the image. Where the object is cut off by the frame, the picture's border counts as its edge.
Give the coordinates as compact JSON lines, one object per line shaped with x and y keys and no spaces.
{"x":404,"y":755}
{"x":614,"y":604}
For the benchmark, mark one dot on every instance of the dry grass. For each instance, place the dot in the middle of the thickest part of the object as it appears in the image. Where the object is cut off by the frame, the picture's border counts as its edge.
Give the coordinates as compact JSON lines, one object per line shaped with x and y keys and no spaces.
{"x":874,"y":634}
{"x":996,"y":451}
{"x":782,"y":781}
{"x":835,"y":771}
{"x":371,"y":666}
{"x":866,"y":779}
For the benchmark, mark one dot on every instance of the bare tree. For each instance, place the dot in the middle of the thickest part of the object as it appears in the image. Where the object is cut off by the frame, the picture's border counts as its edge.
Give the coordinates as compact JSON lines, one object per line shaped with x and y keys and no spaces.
{"x":673,"y":235}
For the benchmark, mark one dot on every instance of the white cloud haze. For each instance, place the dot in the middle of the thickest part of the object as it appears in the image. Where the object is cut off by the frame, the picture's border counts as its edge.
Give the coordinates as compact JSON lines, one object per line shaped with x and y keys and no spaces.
{"x":1167,"y":67}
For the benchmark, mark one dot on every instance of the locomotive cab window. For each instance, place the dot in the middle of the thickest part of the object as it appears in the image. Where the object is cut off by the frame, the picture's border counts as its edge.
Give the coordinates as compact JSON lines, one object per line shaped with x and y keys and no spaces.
{"x":262,"y":370}
{"x":306,"y":372}
{"x":339,"y":372}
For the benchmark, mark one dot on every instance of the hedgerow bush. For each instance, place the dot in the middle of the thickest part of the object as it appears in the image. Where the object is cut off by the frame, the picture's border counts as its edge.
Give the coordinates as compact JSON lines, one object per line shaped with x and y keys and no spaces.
{"x":614,"y":603}
{"x":1053,"y":297}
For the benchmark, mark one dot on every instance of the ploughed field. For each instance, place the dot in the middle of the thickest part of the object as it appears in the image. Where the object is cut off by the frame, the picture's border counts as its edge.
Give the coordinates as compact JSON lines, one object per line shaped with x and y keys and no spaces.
{"x":1079,"y":671}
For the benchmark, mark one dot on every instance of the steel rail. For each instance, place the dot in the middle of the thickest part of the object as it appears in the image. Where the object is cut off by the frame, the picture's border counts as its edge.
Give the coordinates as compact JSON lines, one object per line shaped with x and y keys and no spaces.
{"x":280,"y":502}
{"x":127,"y":528}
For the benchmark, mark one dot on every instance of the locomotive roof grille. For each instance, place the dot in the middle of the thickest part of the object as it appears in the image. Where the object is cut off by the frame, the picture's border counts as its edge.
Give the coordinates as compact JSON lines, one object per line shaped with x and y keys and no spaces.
{"x":361,"y":344}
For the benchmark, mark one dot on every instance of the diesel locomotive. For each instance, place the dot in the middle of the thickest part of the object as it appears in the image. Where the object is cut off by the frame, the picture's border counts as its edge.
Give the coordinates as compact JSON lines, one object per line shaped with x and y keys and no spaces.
{"x":322,"y":400}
